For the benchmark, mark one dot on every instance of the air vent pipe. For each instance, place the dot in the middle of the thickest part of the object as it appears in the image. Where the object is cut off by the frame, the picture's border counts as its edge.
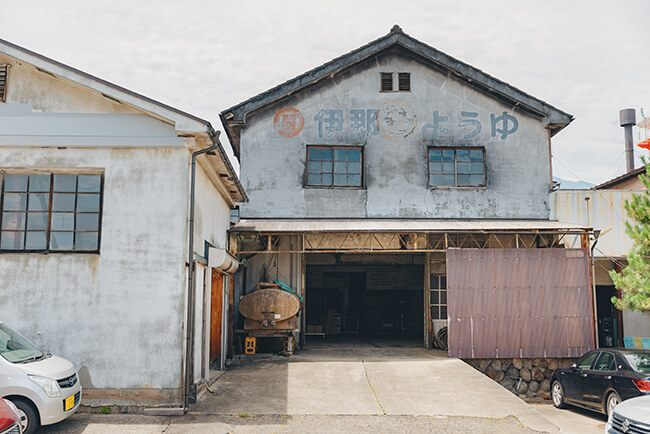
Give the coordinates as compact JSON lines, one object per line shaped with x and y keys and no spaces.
{"x":627,"y":119}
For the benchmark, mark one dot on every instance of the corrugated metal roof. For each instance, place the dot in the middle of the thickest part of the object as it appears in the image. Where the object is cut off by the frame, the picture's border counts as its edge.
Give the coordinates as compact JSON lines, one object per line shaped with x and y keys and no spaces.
{"x":400,"y":225}
{"x":619,"y":179}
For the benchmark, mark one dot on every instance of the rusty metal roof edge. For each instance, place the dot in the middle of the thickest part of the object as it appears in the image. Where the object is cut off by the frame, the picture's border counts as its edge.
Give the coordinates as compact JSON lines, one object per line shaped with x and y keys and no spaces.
{"x":621,"y":178}
{"x":555,"y":116}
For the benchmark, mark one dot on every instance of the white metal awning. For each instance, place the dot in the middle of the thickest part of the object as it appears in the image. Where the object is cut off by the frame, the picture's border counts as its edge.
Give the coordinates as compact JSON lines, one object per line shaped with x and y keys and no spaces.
{"x":401,"y":225}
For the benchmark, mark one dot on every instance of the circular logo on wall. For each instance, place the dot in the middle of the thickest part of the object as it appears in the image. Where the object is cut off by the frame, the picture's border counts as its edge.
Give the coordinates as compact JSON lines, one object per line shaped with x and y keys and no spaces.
{"x":397,"y":120}
{"x":288,"y":122}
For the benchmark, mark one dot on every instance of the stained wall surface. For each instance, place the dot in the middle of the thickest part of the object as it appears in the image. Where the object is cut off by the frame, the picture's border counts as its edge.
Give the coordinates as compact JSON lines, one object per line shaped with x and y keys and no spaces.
{"x":395,"y":129}
{"x":117,"y":315}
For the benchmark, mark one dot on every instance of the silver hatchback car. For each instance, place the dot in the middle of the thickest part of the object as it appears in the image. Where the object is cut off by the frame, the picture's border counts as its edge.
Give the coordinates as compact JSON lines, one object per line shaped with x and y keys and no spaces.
{"x":44,"y":388}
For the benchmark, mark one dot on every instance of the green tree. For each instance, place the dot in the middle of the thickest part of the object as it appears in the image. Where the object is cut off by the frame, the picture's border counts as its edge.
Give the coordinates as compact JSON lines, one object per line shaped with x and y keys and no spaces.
{"x":634,"y":280}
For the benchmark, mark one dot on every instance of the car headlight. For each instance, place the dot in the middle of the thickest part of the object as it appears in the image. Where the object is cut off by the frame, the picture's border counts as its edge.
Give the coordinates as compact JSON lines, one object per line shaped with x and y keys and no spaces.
{"x":49,"y":386}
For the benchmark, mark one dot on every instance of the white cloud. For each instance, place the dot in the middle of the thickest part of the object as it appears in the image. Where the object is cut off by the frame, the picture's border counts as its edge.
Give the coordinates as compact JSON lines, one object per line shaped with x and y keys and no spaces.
{"x":589,"y":58}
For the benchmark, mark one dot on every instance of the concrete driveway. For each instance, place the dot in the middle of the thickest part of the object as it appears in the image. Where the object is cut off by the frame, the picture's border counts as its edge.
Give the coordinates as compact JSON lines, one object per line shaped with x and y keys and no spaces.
{"x":363,"y":378}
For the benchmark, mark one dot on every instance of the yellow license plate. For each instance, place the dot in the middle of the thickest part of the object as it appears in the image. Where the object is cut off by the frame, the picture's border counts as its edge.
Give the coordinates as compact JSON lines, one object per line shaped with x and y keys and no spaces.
{"x":69,"y":403}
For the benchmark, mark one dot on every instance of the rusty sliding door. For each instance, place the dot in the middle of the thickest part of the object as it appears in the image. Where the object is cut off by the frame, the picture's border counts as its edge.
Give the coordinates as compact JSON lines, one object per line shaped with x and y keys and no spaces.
{"x":522,"y":303}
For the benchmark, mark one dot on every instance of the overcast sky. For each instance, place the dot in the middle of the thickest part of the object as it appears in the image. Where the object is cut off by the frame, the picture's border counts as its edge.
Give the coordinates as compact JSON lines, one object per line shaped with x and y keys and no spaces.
{"x":588,"y":58}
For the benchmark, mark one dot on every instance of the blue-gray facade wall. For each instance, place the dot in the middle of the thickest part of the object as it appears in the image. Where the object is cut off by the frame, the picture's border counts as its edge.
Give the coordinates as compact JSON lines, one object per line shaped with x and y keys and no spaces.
{"x":438,"y":111}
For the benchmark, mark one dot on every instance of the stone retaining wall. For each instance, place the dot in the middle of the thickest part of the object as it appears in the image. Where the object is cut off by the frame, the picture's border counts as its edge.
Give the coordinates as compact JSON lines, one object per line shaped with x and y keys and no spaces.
{"x":527,"y":378}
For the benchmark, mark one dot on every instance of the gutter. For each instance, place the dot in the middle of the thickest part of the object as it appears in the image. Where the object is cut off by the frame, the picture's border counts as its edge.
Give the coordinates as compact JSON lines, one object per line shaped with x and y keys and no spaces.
{"x":189,"y":329}
{"x":214,"y":135}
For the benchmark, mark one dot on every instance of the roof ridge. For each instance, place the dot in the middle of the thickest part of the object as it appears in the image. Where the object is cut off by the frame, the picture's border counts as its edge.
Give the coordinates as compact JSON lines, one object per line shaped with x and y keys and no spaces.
{"x":472,"y":75}
{"x":104,"y":82}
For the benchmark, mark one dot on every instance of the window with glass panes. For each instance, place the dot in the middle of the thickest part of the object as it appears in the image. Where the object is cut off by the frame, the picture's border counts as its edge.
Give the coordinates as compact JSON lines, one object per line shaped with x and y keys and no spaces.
{"x":438,"y":297}
{"x":456,"y":167}
{"x":332,"y":166}
{"x":51,"y":212}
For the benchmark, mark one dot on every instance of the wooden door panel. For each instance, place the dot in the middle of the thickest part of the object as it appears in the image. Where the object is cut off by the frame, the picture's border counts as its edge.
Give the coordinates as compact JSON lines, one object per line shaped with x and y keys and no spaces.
{"x":216,"y":303}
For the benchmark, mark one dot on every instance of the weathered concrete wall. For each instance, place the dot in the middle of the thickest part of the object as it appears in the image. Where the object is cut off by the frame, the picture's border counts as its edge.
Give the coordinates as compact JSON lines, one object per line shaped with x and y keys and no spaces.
{"x":211,"y":214}
{"x":211,"y":221}
{"x":118,"y":316}
{"x":395,"y":149}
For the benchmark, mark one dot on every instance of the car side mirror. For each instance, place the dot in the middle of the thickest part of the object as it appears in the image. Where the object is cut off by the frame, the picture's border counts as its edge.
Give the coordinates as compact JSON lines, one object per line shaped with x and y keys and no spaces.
{"x":574,"y":366}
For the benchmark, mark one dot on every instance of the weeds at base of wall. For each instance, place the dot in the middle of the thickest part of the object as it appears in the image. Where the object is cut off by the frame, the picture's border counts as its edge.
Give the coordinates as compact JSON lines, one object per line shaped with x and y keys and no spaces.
{"x":112,"y":409}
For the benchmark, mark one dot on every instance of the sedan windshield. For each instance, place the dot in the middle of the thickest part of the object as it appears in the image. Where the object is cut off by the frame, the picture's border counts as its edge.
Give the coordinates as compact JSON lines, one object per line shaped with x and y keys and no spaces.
{"x":16,"y":348}
{"x":640,"y":362}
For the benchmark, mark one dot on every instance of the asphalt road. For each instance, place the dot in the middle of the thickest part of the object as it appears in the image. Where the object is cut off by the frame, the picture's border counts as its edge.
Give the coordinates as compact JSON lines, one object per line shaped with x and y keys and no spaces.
{"x":127,"y":424}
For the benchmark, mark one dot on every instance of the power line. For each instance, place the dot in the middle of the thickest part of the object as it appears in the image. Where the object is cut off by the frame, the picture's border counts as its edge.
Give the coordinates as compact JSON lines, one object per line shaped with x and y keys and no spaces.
{"x":594,"y":190}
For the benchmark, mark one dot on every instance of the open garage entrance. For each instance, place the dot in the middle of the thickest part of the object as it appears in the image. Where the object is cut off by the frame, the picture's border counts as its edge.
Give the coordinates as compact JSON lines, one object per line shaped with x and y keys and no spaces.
{"x":368,"y":279}
{"x":365,"y":296}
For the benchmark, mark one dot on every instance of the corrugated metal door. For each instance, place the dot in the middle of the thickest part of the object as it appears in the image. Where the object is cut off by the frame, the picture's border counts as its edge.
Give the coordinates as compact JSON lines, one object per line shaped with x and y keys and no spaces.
{"x":519,"y":303}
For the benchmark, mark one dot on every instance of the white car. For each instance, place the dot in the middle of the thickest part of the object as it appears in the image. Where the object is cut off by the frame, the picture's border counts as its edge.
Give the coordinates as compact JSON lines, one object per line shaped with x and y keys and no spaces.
{"x":630,"y":416}
{"x":44,"y":388}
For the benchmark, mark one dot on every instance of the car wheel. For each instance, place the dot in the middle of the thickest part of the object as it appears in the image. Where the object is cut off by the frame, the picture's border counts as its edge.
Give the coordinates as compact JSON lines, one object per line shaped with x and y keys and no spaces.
{"x":28,"y":416}
{"x":557,"y":393}
{"x":612,"y":401}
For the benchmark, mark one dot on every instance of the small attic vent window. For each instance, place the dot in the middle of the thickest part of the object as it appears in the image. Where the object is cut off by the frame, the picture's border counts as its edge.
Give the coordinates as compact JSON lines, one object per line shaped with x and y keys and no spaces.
{"x":403,"y":82}
{"x":4,"y":71}
{"x":386,"y":81}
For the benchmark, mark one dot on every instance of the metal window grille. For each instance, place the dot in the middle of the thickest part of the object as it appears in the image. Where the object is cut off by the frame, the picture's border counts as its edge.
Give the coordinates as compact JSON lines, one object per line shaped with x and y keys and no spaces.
{"x":332,"y":166}
{"x":51,"y":212}
{"x":457,"y":167}
{"x":438,"y":296}
{"x":386,"y":81}
{"x":404,"y":81}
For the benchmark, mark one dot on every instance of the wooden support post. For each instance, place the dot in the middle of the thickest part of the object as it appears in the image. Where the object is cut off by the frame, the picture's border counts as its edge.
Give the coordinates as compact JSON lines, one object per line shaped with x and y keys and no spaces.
{"x":303,"y":291}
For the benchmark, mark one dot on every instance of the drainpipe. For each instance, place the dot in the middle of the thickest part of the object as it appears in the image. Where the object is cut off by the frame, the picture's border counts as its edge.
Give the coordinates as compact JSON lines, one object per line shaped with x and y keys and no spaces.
{"x":189,"y":338}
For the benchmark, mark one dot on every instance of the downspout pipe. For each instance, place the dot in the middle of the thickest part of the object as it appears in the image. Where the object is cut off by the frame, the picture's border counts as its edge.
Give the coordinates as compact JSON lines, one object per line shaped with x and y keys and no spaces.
{"x":191,"y":296}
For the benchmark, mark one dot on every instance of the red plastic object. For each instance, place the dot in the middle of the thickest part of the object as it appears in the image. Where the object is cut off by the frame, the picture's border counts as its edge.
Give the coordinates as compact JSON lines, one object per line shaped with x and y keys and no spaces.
{"x":7,"y":416}
{"x":645,"y":144}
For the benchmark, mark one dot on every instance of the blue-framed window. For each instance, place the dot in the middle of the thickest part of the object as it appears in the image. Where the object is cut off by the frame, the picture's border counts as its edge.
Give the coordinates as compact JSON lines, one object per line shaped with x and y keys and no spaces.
{"x":334,"y":166}
{"x":457,"y":167}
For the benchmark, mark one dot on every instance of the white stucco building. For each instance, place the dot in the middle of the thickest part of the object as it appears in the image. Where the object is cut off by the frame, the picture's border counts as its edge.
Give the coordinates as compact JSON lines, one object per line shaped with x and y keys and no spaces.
{"x":94,"y":246}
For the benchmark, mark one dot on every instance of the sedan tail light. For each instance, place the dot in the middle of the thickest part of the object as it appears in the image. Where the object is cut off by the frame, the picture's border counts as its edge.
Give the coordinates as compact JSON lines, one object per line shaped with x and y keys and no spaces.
{"x":642,"y":385}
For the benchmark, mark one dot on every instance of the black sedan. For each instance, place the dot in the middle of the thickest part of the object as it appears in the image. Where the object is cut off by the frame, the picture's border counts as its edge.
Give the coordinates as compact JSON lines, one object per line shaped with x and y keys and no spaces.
{"x":602,"y":378}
